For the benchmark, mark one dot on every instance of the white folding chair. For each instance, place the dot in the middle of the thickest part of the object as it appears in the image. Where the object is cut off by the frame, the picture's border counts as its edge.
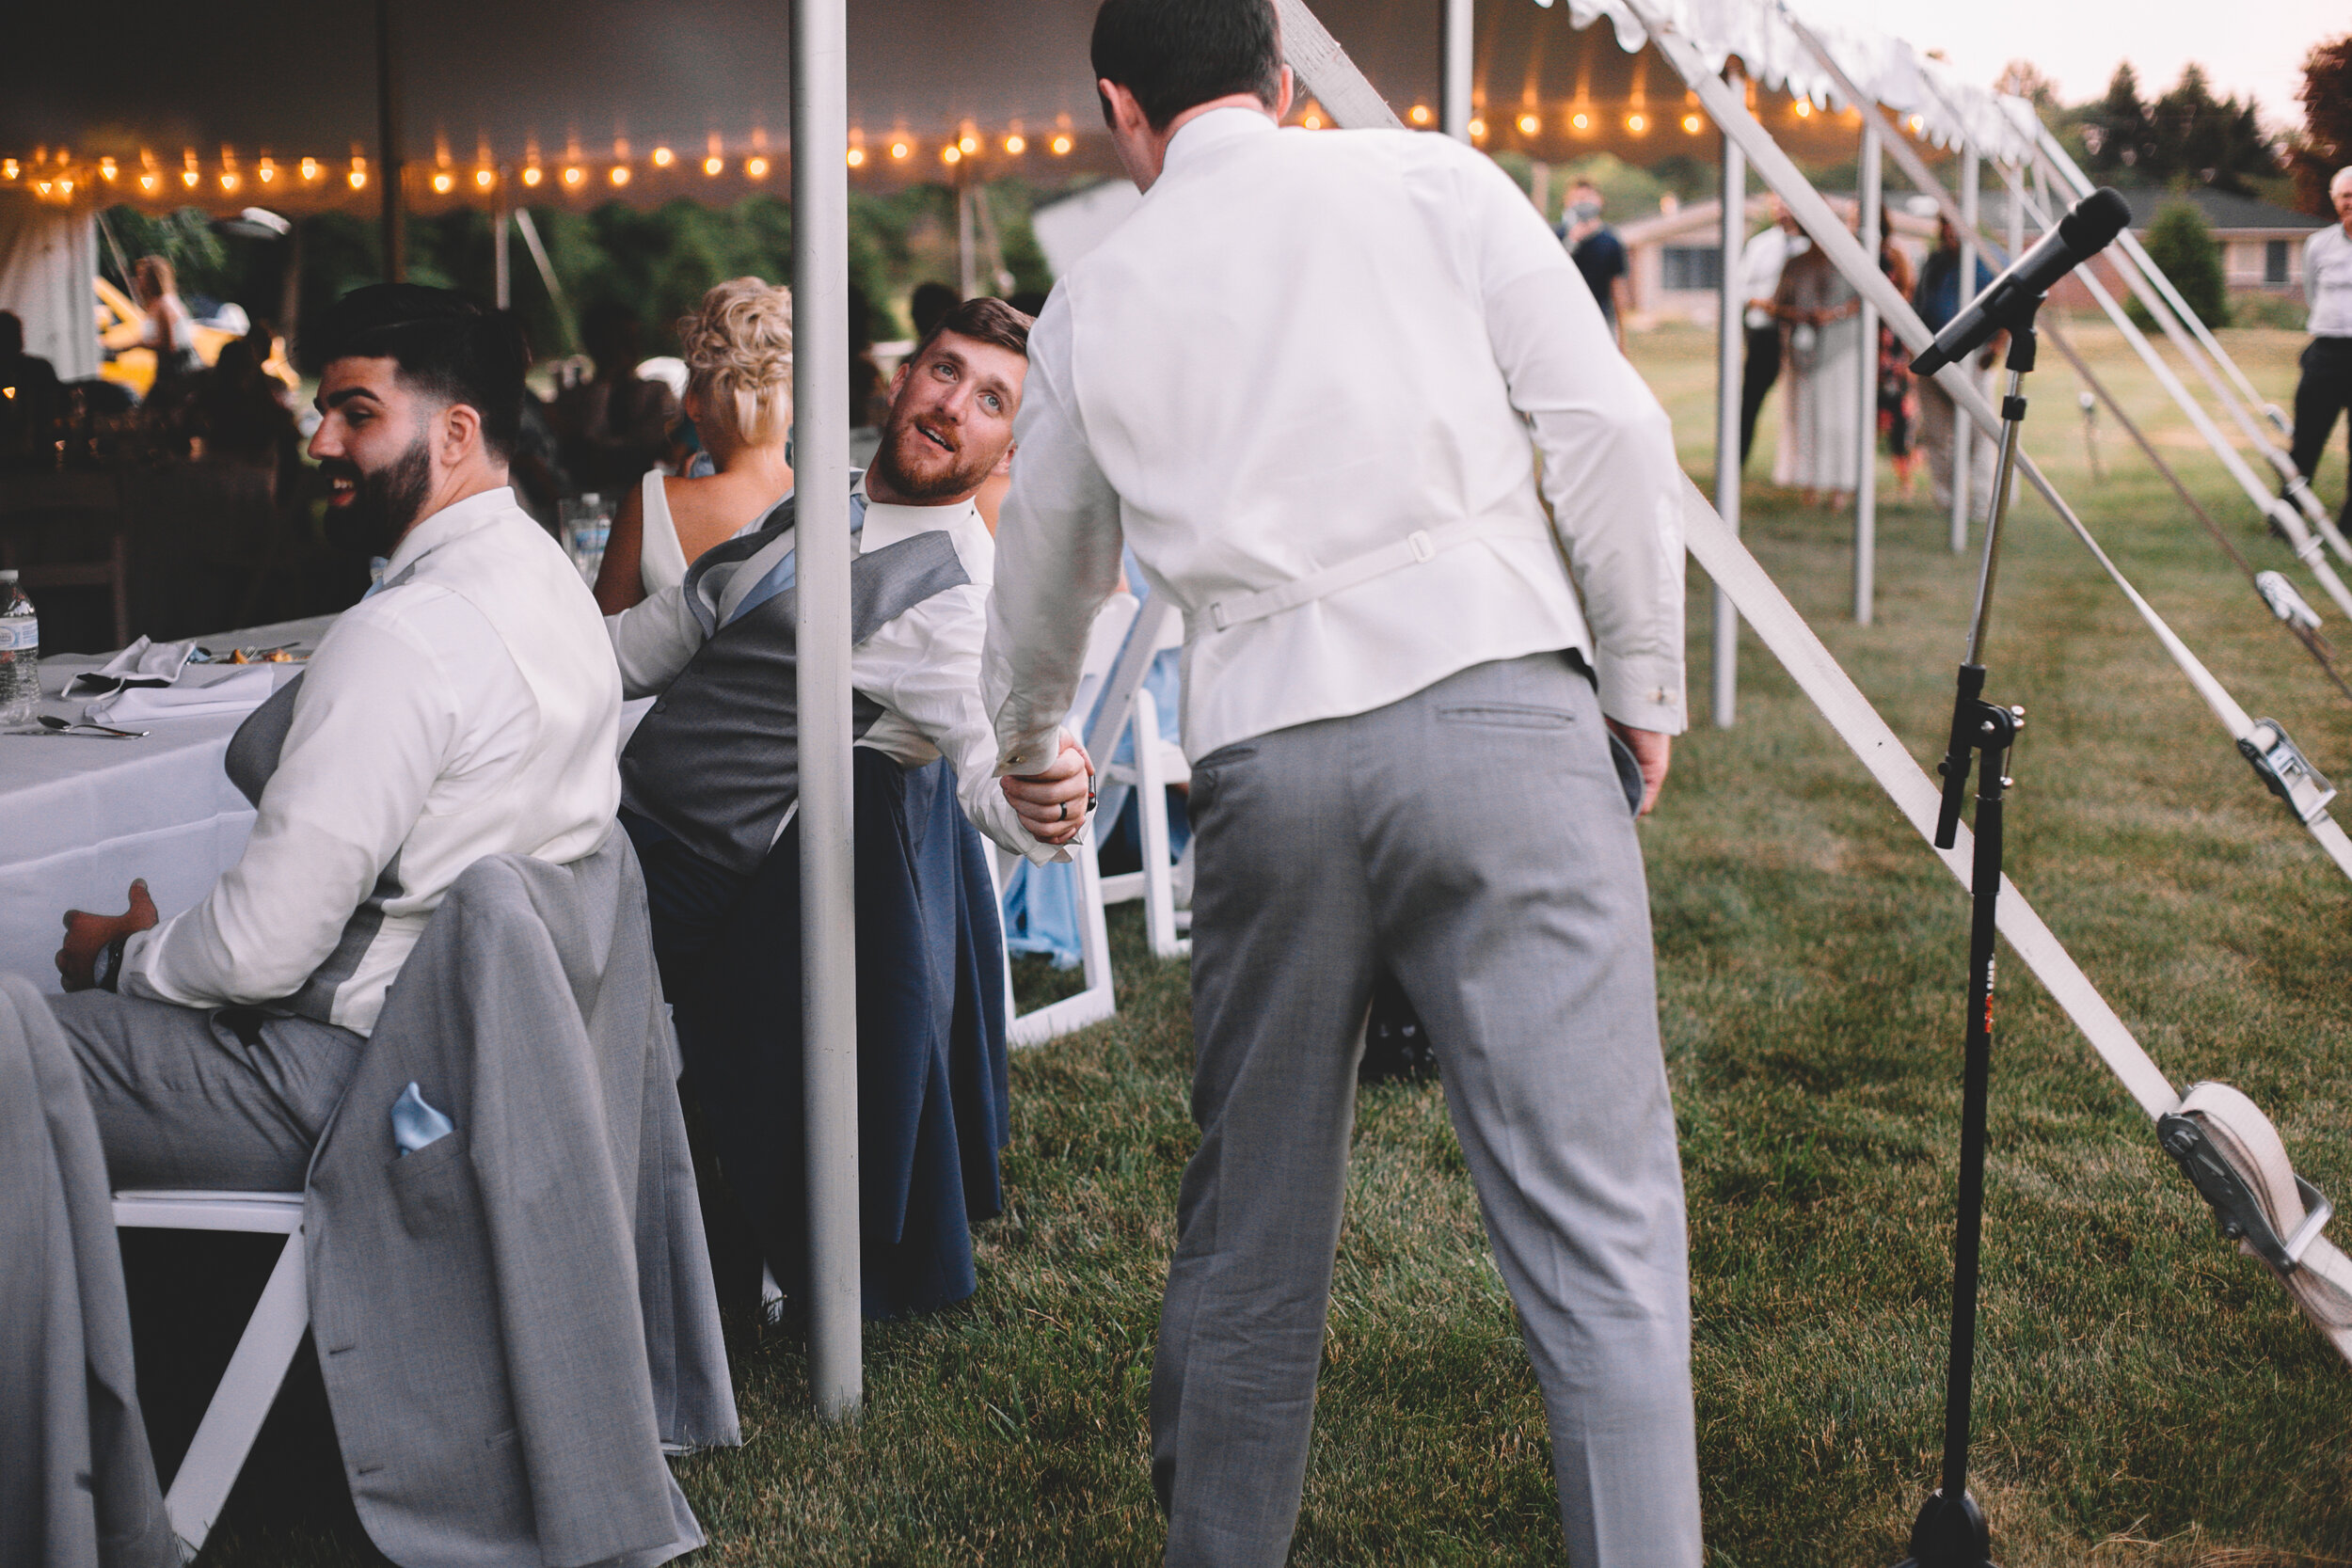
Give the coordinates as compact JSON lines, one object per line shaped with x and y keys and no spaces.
{"x":201,"y":1488}
{"x":1158,"y":765}
{"x":1105,"y":642}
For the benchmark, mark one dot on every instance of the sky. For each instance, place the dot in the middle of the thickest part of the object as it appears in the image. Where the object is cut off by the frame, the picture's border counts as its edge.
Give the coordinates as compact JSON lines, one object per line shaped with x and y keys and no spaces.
{"x":2254,"y":46}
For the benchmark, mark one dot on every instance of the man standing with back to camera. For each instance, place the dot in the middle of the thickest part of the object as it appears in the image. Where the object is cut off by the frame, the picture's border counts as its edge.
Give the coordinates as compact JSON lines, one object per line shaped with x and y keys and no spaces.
{"x":1308,"y":381}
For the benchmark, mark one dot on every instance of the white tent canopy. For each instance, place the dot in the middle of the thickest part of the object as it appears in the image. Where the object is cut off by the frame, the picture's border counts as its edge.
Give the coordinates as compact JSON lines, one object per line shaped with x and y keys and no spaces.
{"x":48,"y":255}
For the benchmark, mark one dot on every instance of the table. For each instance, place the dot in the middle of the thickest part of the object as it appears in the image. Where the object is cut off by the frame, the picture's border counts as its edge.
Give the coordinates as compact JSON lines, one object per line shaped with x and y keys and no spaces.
{"x":85,"y":816}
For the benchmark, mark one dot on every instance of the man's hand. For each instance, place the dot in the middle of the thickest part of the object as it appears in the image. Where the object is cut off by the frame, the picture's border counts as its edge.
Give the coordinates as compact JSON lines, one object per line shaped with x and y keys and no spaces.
{"x":88,"y":935}
{"x":1650,"y":749}
{"x":1053,"y":805}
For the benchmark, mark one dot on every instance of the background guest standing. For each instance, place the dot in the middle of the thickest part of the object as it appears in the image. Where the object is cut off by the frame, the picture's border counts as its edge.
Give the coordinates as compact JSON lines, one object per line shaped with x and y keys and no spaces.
{"x":1820,"y":430}
{"x":2326,"y":388}
{"x":1938,"y":298}
{"x":1760,"y":265}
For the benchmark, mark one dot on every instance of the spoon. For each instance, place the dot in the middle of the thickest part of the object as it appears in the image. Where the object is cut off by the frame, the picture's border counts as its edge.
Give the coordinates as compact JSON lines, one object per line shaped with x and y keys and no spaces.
{"x":47,"y":722}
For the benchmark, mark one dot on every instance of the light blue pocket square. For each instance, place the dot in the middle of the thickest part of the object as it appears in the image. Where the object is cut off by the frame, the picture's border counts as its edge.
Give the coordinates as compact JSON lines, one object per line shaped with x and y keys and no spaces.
{"x":415,"y":1124}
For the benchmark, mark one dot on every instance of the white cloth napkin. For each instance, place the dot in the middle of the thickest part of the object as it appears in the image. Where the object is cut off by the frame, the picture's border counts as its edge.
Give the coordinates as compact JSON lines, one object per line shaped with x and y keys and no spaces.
{"x":145,"y":662}
{"x":202,"y":692}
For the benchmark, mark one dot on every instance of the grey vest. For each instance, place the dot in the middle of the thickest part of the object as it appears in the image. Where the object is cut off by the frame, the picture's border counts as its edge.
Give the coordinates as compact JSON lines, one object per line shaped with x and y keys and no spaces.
{"x":717,"y":761}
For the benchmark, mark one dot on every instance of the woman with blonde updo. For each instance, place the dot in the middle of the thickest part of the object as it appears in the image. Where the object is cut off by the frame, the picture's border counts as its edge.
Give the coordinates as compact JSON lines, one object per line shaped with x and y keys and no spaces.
{"x":737,"y":349}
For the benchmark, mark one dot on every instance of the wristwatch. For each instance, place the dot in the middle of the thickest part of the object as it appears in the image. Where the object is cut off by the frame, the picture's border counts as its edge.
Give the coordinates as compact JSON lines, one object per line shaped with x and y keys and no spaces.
{"x":107,"y":967}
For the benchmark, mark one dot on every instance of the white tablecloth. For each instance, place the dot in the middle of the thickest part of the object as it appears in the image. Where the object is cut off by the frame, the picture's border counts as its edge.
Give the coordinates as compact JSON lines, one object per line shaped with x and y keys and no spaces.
{"x":79,"y":819}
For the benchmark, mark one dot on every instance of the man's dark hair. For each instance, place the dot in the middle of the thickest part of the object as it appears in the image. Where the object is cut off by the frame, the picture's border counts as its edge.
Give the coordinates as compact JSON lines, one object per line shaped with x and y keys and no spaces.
{"x":1175,"y":54}
{"x":984,"y":320}
{"x":447,"y":347}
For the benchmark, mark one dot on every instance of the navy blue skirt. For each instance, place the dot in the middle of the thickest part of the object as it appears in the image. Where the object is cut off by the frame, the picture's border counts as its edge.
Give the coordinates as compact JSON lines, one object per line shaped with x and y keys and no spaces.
{"x":933,"y":1104}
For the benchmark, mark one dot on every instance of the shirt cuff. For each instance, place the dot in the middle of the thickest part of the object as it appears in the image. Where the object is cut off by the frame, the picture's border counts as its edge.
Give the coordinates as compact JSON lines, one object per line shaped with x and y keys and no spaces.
{"x":1032,"y":752}
{"x":1642,"y":693}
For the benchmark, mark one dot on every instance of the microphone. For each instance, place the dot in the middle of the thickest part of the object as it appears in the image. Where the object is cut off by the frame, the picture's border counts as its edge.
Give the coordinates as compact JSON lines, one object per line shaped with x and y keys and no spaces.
{"x":2088,"y":228}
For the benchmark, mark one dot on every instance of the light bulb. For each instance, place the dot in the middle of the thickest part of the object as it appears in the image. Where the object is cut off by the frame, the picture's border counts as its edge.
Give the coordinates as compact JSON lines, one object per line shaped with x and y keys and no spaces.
{"x":757,"y":166}
{"x":619,"y":174}
{"x":533,"y":174}
{"x":664,"y":157}
{"x":1016,"y":144}
{"x":1060,"y":145}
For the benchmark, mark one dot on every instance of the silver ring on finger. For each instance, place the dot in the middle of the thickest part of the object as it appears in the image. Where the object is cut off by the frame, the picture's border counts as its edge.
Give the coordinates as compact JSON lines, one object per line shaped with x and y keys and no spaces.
{"x":1061,"y":812}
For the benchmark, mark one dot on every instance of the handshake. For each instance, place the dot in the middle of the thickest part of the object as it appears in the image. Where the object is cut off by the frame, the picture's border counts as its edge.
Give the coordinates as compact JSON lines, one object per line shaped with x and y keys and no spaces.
{"x":1055,"y":804}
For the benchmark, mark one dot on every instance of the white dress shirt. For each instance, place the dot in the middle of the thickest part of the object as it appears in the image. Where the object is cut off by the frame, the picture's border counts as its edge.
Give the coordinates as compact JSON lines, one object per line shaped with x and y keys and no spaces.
{"x":468,"y":708}
{"x":922,"y":667}
{"x":2328,"y":282}
{"x":1304,"y":347}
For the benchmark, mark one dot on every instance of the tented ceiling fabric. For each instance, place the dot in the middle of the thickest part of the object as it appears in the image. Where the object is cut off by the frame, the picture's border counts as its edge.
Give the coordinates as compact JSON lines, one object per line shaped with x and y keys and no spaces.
{"x":1952,"y":112}
{"x":47,"y":259}
{"x":271,"y":76}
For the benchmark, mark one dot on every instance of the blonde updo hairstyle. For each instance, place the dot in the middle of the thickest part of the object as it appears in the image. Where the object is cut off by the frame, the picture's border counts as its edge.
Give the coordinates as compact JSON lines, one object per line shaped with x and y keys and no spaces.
{"x":737,"y":349}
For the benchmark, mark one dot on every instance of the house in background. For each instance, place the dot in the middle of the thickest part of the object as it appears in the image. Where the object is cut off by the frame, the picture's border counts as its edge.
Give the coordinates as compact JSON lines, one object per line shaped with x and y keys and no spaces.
{"x":1673,"y":257}
{"x":2261,"y":245}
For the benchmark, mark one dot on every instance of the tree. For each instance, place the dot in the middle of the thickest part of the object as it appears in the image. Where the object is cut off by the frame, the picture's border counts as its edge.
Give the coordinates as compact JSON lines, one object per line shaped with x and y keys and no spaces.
{"x":2325,"y":144}
{"x":2116,"y":128}
{"x":2023,"y":79}
{"x":2185,"y":138}
{"x":2184,"y":249}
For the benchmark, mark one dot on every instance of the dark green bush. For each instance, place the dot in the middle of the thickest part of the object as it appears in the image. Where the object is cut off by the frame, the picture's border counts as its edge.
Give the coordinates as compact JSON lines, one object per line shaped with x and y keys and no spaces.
{"x":2180,"y":243}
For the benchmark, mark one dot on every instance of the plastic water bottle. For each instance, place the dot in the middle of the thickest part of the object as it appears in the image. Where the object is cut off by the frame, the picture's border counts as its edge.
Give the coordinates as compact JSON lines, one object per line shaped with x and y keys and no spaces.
{"x":20,"y":654}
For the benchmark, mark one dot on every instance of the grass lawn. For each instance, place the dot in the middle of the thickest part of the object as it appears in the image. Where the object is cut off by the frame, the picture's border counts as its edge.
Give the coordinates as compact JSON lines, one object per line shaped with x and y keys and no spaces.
{"x":2145,"y":1396}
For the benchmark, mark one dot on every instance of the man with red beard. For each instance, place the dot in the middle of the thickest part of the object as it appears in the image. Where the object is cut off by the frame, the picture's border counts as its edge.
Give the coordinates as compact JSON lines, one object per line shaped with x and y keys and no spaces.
{"x":710,"y":791}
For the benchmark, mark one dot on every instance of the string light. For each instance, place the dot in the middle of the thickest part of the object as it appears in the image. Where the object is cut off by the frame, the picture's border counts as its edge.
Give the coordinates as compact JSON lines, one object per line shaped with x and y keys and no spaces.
{"x":713,"y":165}
{"x":951,"y":154}
{"x":664,"y":157}
{"x":147,"y":183}
{"x":1691,"y":124}
{"x":309,"y":170}
{"x":1312,"y":123}
{"x":1061,"y":146}
{"x":108,"y":169}
{"x":968,"y":145}
{"x":1419,"y":114}
{"x":757,"y":166}
{"x":1477,"y":129}
{"x":574,"y":175}
{"x":857,"y":157}
{"x":1016,"y":144}
{"x":1580,"y":120}
{"x":1803,"y":108}
{"x":1916,"y":124}
{"x":11,"y":168}
{"x":484,"y":178}
{"x":267,"y":172}
{"x":533,"y":174}
{"x":1529,"y":125}
{"x":1637,"y":124}
{"x":358,"y":178}
{"x":443,"y":182}
{"x":619,"y":174}
{"x":900,"y":150}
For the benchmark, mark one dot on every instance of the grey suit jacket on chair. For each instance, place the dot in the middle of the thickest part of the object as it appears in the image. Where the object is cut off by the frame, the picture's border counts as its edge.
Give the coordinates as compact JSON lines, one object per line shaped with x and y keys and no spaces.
{"x":78,"y":1485}
{"x":512,"y":1320}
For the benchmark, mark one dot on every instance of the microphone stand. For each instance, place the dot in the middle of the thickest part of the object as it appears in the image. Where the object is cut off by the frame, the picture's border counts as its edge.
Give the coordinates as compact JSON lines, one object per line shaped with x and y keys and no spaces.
{"x":1950,"y":1531}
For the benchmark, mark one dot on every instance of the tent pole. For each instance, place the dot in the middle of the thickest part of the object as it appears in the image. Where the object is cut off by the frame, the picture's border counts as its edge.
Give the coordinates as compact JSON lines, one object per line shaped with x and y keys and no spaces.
{"x":820,"y":436}
{"x":1964,"y":433}
{"x":1865,"y":491}
{"x":501,"y":265}
{"x":388,"y":159}
{"x":1730,"y":341}
{"x":1459,"y":45}
{"x":967,"y":249}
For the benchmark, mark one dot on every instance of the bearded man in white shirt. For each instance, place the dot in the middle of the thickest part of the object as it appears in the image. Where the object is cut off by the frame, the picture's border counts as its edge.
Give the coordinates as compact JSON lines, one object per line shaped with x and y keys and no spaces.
{"x":466,"y":707}
{"x":1309,"y":382}
{"x":710,"y":787}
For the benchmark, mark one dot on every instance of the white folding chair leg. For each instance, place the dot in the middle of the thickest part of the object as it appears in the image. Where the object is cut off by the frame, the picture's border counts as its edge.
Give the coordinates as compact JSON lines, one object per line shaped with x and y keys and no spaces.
{"x":1099,"y":999}
{"x":242,"y":1403}
{"x":1159,"y":889}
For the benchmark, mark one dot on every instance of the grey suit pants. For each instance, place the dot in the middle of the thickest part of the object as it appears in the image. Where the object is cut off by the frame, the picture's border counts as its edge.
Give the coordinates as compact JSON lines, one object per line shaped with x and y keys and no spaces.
{"x":1476,"y":837}
{"x":228,"y":1100}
